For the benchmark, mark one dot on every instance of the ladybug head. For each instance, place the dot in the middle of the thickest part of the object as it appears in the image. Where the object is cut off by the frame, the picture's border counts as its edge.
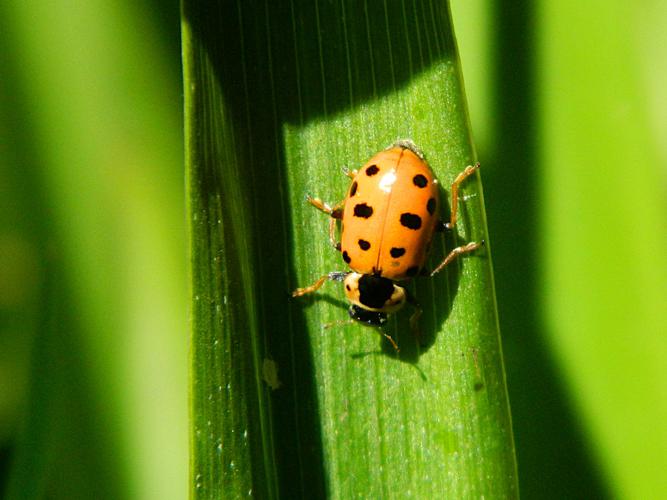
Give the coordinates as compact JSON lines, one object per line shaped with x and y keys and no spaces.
{"x":372,"y":297}
{"x":371,"y":318}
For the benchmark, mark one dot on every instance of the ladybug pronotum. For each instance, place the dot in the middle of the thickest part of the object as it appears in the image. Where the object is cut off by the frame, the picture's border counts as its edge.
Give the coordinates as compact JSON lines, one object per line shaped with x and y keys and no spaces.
{"x":388,"y":219}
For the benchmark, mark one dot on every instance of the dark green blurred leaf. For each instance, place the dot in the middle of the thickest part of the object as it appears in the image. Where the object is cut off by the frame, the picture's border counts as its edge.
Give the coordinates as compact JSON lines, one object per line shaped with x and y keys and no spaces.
{"x":97,"y":149}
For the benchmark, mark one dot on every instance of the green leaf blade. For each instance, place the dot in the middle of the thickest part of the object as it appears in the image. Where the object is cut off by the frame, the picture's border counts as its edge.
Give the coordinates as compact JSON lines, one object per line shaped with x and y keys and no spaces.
{"x":305,"y":91}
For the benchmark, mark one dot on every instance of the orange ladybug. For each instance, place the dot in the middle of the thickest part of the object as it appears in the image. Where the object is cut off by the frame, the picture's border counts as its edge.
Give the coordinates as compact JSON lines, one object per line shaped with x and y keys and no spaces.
{"x":388,"y":219}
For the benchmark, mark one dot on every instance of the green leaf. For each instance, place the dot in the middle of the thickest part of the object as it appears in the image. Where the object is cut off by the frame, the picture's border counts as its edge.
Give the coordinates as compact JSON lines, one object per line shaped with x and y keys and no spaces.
{"x":278,"y":99}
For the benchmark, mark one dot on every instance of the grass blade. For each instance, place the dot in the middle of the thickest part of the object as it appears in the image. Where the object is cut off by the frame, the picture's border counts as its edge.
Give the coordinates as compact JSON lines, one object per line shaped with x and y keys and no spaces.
{"x":278,"y":98}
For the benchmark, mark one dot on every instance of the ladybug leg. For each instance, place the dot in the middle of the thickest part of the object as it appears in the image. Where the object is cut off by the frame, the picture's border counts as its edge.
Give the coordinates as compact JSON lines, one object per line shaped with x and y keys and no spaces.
{"x":469,"y":170}
{"x":349,"y":173}
{"x":463,"y":249}
{"x":470,"y":247}
{"x":334,"y":212}
{"x":391,"y":340}
{"x":333,"y":276}
{"x":332,"y":234}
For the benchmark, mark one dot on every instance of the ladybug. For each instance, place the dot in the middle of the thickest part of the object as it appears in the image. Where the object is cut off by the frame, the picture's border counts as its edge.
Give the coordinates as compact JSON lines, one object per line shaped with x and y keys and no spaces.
{"x":387,"y":223}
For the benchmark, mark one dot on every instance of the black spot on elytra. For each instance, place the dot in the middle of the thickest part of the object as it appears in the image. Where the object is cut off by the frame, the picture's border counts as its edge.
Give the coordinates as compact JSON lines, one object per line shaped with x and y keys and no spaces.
{"x":430,"y":206}
{"x":411,"y":221}
{"x":346,"y":257}
{"x":353,"y":188}
{"x":364,"y":245}
{"x":375,"y":291}
{"x":397,"y":252}
{"x":348,"y":287}
{"x":363,"y":210}
{"x":372,"y":170}
{"x":420,"y":181}
{"x":412,"y":271}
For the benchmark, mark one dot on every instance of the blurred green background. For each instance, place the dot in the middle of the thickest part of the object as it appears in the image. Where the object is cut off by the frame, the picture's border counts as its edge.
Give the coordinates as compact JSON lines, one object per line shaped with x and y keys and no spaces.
{"x":568,"y":105}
